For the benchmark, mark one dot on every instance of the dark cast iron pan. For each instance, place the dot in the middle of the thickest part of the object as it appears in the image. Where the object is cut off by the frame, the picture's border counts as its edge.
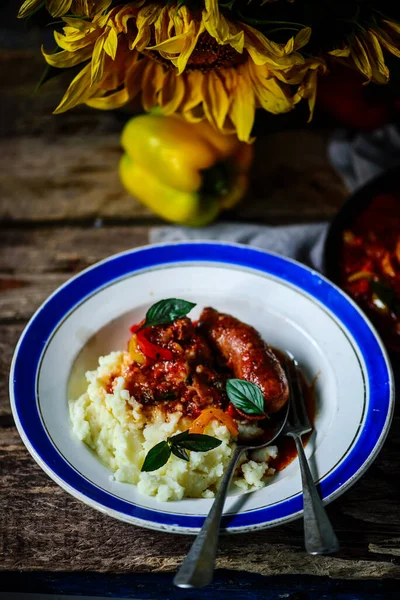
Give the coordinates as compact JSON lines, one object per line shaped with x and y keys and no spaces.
{"x":386,"y":183}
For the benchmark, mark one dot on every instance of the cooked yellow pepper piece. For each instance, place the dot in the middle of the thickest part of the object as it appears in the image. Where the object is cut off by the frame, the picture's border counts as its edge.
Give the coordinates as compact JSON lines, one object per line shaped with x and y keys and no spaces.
{"x":207,"y":415}
{"x":135,"y":352}
{"x":184,"y":172}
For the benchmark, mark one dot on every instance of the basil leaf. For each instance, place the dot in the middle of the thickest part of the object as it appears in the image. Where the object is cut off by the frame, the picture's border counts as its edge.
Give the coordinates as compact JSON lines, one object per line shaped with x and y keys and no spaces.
{"x":198,"y":442}
{"x":157,"y":457}
{"x":178,"y":437}
{"x":180,"y":452}
{"x":166,"y":311}
{"x":387,"y":295}
{"x":246,"y":396}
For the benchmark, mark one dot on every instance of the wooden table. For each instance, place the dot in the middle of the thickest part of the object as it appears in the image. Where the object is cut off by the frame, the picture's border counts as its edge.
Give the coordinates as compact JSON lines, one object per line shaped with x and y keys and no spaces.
{"x":62,"y":208}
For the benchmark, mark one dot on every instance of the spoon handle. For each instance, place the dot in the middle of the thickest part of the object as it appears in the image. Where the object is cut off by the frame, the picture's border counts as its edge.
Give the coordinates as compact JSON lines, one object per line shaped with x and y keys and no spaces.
{"x":198,"y":567}
{"x":319,"y":537}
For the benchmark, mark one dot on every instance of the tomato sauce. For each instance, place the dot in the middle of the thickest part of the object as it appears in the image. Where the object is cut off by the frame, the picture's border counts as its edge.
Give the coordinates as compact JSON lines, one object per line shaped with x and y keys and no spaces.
{"x":370,"y":265}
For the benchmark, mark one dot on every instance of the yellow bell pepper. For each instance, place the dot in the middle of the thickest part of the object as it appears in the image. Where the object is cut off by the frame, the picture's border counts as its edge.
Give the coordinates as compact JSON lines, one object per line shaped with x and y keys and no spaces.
{"x":184,"y":172}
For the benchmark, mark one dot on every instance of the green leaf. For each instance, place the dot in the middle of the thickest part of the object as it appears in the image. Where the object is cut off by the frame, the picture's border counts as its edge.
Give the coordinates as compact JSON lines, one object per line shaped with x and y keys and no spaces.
{"x":198,"y":442}
{"x":245,"y":396}
{"x":180,"y":452}
{"x":48,"y":73}
{"x":166,"y":311}
{"x":175,"y":439}
{"x":178,"y":444}
{"x":157,"y":457}
{"x":387,"y":295}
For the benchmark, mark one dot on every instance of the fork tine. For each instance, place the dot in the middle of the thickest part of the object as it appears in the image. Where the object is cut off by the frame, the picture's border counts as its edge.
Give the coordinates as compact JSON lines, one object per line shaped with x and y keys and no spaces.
{"x":293,"y":412}
{"x":301,"y":411}
{"x":293,"y":416}
{"x":286,"y":368}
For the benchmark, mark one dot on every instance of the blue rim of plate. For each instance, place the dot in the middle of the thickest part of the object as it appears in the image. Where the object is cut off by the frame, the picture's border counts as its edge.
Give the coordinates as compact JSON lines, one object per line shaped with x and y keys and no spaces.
{"x":34,"y":339}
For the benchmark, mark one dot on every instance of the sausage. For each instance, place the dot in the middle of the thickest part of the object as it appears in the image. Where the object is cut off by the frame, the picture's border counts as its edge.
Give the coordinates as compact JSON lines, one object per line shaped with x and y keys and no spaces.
{"x":247,"y":355}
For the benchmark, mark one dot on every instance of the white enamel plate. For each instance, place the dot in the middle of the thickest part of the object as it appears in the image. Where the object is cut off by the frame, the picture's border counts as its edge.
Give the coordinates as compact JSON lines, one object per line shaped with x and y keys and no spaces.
{"x":293,"y":307}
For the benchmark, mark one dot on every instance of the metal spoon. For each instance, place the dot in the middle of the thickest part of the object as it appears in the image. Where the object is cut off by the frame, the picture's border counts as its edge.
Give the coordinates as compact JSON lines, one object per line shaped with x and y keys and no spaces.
{"x":198,"y":567}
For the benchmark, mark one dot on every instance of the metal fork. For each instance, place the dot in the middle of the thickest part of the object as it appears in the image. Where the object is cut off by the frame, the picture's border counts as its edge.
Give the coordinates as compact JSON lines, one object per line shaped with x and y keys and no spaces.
{"x":319,"y":537}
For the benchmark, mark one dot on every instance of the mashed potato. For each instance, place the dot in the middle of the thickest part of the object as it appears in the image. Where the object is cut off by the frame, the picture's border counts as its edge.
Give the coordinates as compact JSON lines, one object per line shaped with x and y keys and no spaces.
{"x":120,"y":432}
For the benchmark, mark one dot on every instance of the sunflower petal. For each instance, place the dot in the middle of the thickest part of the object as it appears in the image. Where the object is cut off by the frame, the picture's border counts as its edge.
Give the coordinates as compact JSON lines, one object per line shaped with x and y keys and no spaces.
{"x":220,"y":28}
{"x":78,"y":91}
{"x":340,"y":52}
{"x":392,"y":25}
{"x":308,"y":90}
{"x":173,"y":45}
{"x":98,"y":58}
{"x":99,"y":7}
{"x":289,"y":46}
{"x":110,"y":102}
{"x":243,"y":106}
{"x":65,"y":60}
{"x":145,"y":18}
{"x":264,"y":51}
{"x":388,"y":43}
{"x":123,"y":17}
{"x":270,"y":94}
{"x":79,"y":24}
{"x":28,"y":7}
{"x":191,"y":106}
{"x":73,"y":40}
{"x":187,"y":51}
{"x":172,"y":93}
{"x":361,"y":59}
{"x":216,"y":100}
{"x":152,"y":82}
{"x":134,"y":75}
{"x":58,"y":8}
{"x":380,"y":72}
{"x":302,"y":38}
{"x":111,"y":43}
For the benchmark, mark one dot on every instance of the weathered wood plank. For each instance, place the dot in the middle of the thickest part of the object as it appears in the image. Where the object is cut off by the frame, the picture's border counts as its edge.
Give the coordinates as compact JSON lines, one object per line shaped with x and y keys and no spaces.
{"x":85,"y":539}
{"x":31,"y":541}
{"x":23,"y":295}
{"x":33,"y":263}
{"x":75,"y":176}
{"x":8,"y":340}
{"x":29,"y":113}
{"x":64,"y":249}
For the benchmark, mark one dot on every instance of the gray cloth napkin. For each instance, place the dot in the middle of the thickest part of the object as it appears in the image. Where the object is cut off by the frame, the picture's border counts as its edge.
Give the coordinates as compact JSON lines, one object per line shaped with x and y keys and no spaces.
{"x":366,"y":155}
{"x":357,"y":159}
{"x":302,"y":242}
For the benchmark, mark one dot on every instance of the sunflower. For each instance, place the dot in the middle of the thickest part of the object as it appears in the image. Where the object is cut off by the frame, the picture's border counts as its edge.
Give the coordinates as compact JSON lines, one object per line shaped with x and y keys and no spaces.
{"x":366,"y":50}
{"x":198,"y":64}
{"x":218,"y":60}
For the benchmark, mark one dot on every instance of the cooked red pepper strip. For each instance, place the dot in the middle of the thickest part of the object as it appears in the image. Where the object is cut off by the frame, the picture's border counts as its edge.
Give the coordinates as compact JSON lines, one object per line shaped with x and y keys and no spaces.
{"x":150,"y":350}
{"x":231,"y":411}
{"x":134,"y":328}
